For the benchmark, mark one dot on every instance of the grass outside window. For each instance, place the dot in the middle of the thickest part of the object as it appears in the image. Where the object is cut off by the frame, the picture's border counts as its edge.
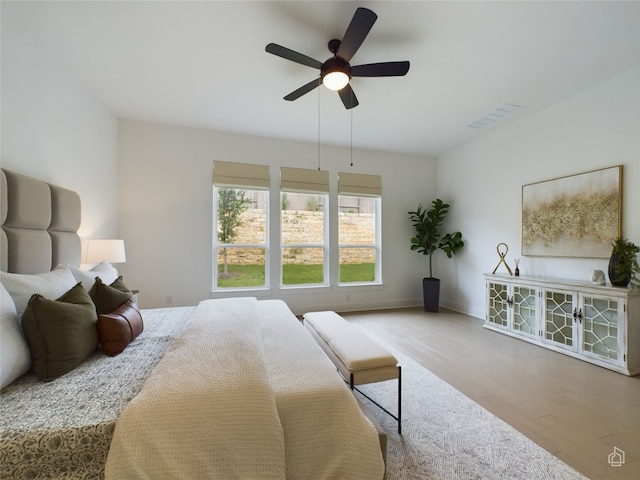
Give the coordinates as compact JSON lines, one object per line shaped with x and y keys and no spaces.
{"x":242,"y":276}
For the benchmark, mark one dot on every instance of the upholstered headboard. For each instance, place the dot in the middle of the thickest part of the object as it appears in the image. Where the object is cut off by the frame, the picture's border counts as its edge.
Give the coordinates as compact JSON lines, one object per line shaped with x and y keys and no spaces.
{"x":39,"y":225}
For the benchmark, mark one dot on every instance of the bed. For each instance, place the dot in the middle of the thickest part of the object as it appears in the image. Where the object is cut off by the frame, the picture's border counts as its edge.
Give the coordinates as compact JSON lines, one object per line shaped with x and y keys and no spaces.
{"x":230,"y":388}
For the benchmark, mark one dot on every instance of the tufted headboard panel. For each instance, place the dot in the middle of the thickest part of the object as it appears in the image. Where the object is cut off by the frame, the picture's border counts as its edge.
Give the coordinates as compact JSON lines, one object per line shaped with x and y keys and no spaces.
{"x":39,"y":225}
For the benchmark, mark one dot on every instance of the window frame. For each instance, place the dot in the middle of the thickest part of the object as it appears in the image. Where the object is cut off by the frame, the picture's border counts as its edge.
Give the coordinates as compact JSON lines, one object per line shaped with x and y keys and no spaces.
{"x":323,"y":246}
{"x":218,"y":245}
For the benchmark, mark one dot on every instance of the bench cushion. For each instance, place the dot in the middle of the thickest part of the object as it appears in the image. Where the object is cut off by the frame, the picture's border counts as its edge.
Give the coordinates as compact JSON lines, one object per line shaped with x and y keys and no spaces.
{"x":361,"y":353}
{"x":356,"y":351}
{"x":329,"y":325}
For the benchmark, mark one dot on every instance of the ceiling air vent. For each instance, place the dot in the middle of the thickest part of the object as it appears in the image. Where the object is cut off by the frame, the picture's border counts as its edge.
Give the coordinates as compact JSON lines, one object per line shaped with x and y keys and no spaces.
{"x":492,"y":117}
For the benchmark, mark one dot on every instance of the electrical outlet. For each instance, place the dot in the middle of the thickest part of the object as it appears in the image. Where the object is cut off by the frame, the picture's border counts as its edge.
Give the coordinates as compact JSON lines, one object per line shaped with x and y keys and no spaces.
{"x":169,"y":299}
{"x":348,"y":297}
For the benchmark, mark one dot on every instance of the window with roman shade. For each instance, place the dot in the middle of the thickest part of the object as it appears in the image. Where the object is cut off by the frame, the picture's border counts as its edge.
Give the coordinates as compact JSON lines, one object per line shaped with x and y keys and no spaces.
{"x":359,"y":238}
{"x":241,"y":219}
{"x":304,"y":196}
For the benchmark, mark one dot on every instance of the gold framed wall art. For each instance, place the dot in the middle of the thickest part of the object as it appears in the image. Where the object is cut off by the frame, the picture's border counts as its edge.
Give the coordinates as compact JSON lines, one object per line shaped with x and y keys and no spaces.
{"x":575,"y":216}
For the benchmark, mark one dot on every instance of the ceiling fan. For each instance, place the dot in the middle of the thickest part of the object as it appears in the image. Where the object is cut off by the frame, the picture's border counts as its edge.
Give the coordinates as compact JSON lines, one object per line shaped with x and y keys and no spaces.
{"x":336,"y":72}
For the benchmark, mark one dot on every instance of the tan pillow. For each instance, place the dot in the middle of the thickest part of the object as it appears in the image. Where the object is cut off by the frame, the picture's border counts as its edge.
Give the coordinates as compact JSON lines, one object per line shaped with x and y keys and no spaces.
{"x":109,"y":297}
{"x":119,"y":328}
{"x":60,"y":333}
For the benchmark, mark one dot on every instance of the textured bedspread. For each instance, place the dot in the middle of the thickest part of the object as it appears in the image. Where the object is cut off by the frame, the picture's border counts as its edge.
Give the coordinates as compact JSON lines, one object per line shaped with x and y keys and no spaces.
{"x":207,"y":410}
{"x":245,"y":393}
{"x":63,"y":428}
{"x":326,"y":434}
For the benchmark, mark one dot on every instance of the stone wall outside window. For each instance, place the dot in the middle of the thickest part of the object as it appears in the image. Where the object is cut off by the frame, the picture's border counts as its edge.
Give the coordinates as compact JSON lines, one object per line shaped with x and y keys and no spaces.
{"x":356,"y":230}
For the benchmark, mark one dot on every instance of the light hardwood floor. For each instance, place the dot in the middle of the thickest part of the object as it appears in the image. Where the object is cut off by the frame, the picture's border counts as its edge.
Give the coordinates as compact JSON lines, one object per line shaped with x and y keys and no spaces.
{"x":575,"y":410}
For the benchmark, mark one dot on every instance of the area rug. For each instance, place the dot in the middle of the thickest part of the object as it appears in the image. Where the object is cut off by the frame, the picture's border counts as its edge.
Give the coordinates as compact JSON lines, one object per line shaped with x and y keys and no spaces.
{"x":447,"y":436}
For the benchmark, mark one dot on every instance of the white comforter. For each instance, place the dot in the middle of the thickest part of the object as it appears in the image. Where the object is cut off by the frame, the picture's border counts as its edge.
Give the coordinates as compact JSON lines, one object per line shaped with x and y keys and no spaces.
{"x":244,"y":393}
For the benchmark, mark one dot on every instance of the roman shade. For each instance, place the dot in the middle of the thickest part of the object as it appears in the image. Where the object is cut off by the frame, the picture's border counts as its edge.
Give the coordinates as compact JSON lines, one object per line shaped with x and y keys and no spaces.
{"x":232,"y":174}
{"x":359,"y":184}
{"x":300,"y":179}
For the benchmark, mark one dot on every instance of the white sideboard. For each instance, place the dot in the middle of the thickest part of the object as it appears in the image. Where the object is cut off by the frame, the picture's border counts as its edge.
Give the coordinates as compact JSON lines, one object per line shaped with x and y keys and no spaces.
{"x":597,"y":324}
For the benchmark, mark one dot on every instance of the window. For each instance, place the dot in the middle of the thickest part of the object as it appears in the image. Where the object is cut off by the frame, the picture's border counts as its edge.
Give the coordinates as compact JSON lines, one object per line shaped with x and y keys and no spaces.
{"x":303,"y":223}
{"x":359,"y":228}
{"x":241,"y":225}
{"x":241,"y":251}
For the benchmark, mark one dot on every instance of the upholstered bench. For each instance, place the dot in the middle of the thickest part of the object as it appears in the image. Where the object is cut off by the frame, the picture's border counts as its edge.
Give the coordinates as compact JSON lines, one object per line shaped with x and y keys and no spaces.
{"x":359,"y":359}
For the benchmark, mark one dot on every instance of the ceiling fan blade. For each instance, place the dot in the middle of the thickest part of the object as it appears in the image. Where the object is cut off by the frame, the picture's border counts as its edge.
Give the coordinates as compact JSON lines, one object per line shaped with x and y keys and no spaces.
{"x":303,"y":89}
{"x":384,"y":69}
{"x":292,"y":55}
{"x":357,"y":31}
{"x":348,"y":97}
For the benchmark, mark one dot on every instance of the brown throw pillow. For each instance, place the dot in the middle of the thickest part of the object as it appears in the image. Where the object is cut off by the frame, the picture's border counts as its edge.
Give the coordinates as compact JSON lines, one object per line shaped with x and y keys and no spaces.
{"x":109,"y":297}
{"x":60,"y":333}
{"x":117,"y":329}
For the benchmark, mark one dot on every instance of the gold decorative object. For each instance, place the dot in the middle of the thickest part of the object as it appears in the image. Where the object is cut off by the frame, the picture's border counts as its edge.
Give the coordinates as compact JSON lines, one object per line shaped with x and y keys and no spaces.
{"x":502,"y":257}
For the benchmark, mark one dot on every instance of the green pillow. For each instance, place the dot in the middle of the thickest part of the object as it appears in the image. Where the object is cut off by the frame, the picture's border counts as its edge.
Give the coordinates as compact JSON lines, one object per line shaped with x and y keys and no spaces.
{"x":108,"y":298}
{"x":118,"y":284}
{"x":60,"y":333}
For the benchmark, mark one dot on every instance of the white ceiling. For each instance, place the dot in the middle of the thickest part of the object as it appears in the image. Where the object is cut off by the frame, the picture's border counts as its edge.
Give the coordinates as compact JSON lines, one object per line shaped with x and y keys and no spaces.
{"x":203,"y":64}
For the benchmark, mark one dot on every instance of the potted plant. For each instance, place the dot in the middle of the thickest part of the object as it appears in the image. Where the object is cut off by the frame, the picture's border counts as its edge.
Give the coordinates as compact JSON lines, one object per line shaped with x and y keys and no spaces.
{"x":427,"y":240}
{"x":623,"y":264}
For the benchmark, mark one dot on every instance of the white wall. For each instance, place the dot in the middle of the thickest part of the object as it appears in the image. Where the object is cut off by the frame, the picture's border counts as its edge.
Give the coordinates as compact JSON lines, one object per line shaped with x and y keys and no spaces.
{"x":54,"y":129}
{"x":166,"y":212}
{"x":595,"y":129}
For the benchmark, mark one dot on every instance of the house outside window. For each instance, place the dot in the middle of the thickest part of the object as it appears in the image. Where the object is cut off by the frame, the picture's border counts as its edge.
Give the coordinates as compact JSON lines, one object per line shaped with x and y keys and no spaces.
{"x":303,"y":226}
{"x":240,"y":240}
{"x":359,"y":239}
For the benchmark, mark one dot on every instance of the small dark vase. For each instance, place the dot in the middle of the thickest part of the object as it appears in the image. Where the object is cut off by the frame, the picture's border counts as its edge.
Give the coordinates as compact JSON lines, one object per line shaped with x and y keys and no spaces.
{"x":618,"y":278}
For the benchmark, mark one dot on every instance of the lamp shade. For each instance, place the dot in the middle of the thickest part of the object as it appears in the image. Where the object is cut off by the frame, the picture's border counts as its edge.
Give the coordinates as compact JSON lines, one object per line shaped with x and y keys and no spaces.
{"x":99,"y":250}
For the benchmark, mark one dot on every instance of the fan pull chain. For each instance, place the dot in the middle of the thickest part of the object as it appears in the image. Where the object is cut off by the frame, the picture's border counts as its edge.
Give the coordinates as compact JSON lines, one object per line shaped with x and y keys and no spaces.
{"x":318,"y":129}
{"x":352,"y":129}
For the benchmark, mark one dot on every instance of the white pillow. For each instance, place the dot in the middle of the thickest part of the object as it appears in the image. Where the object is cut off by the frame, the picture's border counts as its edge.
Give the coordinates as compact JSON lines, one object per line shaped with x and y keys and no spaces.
{"x":15,"y":358}
{"x":50,"y":285}
{"x":104,"y":270}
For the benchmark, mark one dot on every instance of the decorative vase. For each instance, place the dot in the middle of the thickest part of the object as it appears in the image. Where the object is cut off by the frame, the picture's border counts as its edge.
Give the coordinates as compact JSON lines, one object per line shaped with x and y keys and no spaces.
{"x":617,"y":277}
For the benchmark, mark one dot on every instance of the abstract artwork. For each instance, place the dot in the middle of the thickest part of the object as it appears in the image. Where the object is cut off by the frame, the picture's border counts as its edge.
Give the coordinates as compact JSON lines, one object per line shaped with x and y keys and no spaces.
{"x":575,"y":216}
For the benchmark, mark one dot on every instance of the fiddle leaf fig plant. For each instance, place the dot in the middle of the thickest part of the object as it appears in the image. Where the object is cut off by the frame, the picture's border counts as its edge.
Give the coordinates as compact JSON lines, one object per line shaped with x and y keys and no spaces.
{"x":428,"y":238}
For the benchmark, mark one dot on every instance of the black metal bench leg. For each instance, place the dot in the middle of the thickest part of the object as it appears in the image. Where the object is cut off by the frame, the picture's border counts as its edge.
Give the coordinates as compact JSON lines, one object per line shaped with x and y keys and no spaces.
{"x":399,"y":417}
{"x":399,"y":400}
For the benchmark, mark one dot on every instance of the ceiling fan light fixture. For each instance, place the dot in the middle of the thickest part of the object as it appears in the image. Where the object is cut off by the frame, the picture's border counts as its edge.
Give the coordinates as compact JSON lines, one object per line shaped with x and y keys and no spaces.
{"x":335,"y":80}
{"x":335,"y":73}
